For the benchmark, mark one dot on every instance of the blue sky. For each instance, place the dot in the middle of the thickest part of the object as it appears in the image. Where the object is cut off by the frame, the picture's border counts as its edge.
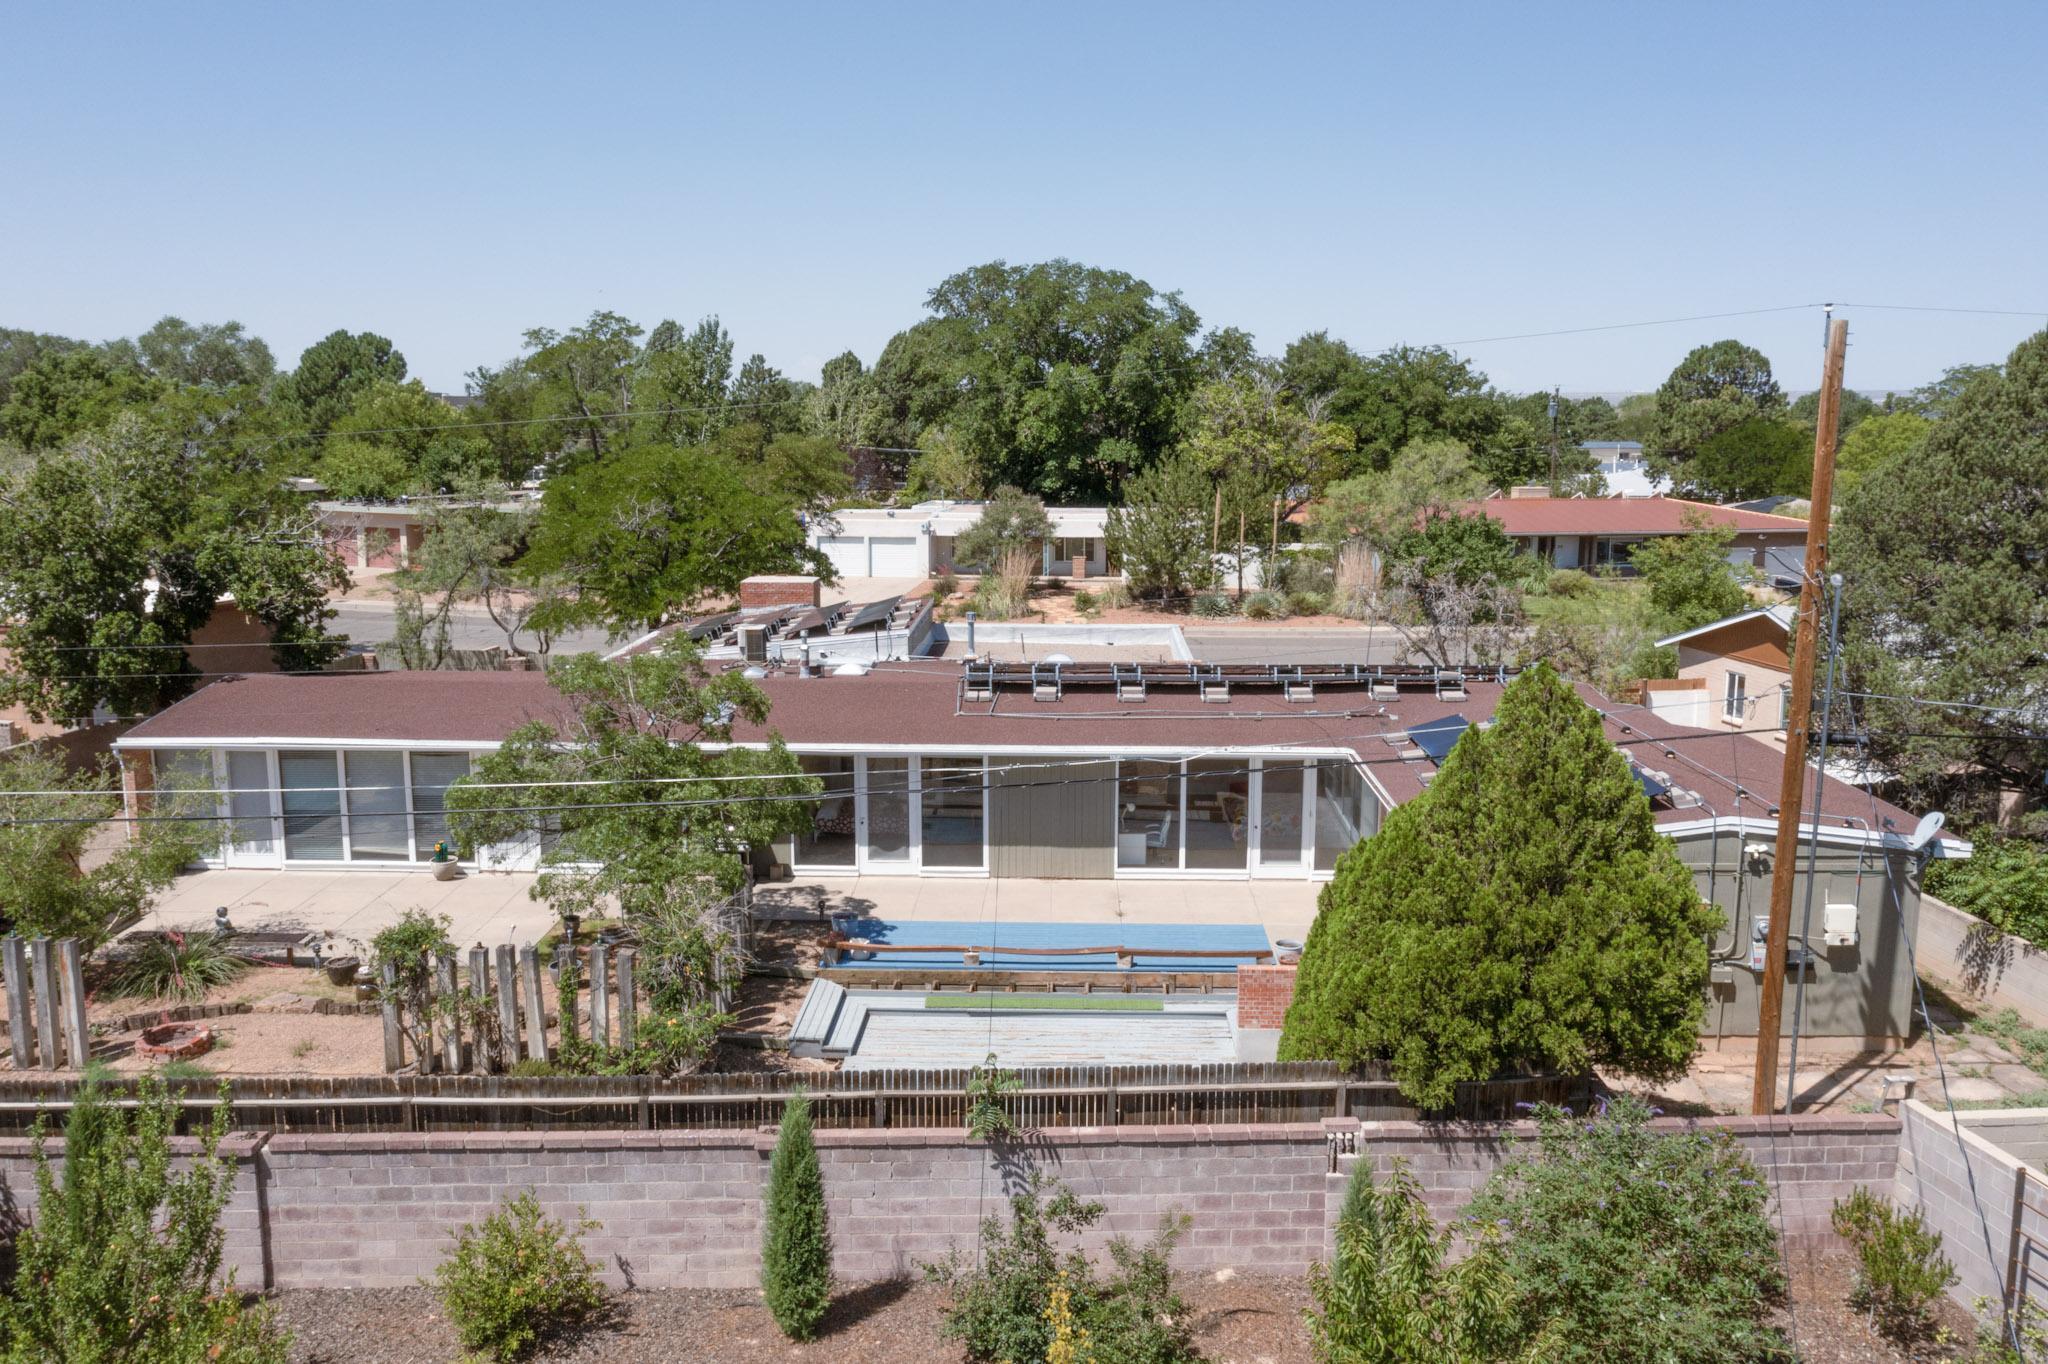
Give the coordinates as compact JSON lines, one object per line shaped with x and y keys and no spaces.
{"x":450,"y":175}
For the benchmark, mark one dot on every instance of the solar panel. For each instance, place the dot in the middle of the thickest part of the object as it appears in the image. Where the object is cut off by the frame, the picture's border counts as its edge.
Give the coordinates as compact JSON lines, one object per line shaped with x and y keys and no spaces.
{"x":872,"y":612}
{"x":1651,"y":786}
{"x":1438,"y":737}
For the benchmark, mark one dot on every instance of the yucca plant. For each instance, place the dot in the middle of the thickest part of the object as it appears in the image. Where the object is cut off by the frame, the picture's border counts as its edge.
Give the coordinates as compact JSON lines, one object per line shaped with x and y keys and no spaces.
{"x":180,"y":966}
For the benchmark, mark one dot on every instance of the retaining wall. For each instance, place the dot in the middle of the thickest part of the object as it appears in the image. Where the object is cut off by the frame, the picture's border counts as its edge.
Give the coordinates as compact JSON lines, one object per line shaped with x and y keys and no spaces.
{"x":1966,"y":1190}
{"x":1984,"y":966}
{"x":682,"y":1208}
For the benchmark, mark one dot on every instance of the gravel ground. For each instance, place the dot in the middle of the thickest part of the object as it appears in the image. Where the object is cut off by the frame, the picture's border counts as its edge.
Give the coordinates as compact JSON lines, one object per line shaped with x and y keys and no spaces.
{"x":1239,"y":1321}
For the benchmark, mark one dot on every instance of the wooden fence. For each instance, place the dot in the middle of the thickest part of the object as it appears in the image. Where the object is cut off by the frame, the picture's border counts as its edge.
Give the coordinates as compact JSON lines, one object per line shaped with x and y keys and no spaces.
{"x":45,"y":983}
{"x":1091,"y":1096}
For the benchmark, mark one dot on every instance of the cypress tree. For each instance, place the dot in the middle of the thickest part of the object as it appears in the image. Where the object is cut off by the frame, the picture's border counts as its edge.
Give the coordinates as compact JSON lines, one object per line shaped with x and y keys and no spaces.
{"x":796,"y":1250}
{"x":1523,"y":911}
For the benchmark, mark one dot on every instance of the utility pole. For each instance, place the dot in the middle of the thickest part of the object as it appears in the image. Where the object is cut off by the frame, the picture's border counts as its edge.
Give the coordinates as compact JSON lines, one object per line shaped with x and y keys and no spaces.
{"x":1553,"y":442}
{"x":1792,"y":787}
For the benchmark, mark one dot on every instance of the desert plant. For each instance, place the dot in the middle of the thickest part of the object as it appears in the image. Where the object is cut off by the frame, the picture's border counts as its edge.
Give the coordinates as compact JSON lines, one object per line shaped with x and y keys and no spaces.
{"x":1568,"y":582}
{"x":181,"y":966}
{"x":670,"y":1041}
{"x":987,"y":1083}
{"x":1003,"y":1302}
{"x":1212,"y":605}
{"x":1265,"y":606}
{"x":1900,"y":1267}
{"x":1114,"y":594}
{"x":796,"y":1249}
{"x":1084,"y":602}
{"x":1308,"y":603}
{"x":1002,"y":594}
{"x":1392,"y":1293}
{"x":122,"y":1259}
{"x":945,"y":585}
{"x":518,"y":1279}
{"x":1626,"y":1242}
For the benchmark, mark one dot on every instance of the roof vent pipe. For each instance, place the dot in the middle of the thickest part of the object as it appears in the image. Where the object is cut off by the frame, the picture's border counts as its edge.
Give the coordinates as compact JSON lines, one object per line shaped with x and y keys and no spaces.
{"x":970,"y":634}
{"x":803,"y":667}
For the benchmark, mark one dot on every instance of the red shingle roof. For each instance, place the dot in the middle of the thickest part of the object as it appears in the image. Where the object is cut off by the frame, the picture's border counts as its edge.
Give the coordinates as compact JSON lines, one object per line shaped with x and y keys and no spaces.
{"x":1620,"y":516}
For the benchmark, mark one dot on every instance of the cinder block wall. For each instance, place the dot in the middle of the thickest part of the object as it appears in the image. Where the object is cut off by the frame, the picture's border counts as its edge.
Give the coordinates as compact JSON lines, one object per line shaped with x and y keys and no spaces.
{"x":1965,"y":1190}
{"x":682,"y":1209}
{"x":1994,"y":969}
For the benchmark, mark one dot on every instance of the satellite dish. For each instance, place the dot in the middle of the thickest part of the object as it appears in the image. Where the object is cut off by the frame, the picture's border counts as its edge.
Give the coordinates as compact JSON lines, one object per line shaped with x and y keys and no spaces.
{"x":1924,"y":832}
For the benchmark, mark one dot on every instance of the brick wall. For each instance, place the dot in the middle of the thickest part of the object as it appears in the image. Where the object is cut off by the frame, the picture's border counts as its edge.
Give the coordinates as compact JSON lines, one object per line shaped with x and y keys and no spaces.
{"x":1263,"y":994}
{"x":682,"y":1209}
{"x":779,"y":589}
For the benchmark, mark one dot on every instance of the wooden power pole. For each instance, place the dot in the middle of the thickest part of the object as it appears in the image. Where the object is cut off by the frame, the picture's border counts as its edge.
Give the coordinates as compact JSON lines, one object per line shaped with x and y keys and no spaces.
{"x":1792,"y":788}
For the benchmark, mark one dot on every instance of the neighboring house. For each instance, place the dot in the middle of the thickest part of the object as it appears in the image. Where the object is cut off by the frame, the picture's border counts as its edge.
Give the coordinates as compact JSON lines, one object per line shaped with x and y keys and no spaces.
{"x":1622,"y":465}
{"x":386,"y":534}
{"x":1080,"y":773}
{"x":1601,"y":532}
{"x":1735,"y":673}
{"x":917,"y":541}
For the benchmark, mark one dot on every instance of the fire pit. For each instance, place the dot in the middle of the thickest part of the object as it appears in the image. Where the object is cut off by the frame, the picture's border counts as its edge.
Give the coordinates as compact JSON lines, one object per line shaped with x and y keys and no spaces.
{"x":175,"y":1041}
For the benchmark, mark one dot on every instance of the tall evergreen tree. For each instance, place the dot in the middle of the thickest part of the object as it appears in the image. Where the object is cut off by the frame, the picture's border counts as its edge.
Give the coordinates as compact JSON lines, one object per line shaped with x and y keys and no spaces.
{"x":796,"y":1249}
{"x":1523,"y":911}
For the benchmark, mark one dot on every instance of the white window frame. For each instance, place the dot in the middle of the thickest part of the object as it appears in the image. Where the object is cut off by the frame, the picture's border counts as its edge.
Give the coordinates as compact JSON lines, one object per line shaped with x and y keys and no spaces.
{"x":1735,"y":698}
{"x":917,"y":821}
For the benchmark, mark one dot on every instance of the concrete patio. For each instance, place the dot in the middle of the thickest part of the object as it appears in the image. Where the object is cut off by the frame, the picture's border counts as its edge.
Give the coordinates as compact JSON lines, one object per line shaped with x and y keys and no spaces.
{"x":486,"y":907}
{"x":1285,"y":909}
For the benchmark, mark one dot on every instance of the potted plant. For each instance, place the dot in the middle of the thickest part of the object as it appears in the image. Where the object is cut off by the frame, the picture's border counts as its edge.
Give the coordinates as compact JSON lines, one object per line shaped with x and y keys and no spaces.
{"x":446,"y":868}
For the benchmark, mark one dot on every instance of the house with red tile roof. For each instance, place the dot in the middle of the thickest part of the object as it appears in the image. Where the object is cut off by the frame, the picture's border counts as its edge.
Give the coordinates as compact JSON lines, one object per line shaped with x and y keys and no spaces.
{"x":1094,"y":771}
{"x":1601,"y":532}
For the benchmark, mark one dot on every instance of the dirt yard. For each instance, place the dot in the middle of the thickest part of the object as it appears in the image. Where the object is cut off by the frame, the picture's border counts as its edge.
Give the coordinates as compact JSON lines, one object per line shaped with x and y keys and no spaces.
{"x":1238,"y":1320}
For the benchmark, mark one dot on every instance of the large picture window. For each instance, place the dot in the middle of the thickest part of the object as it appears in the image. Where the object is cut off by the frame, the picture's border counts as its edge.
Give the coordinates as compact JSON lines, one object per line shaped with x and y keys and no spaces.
{"x":377,"y":830}
{"x":1219,"y":803}
{"x":432,"y":775}
{"x":1280,"y":793}
{"x":1341,"y":817}
{"x":952,"y":813}
{"x":311,"y":785}
{"x":829,"y":840}
{"x":1148,"y":814}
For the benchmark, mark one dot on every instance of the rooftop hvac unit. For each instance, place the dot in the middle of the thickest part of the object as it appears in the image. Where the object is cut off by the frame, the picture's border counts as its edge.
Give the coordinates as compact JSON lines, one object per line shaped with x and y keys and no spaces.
{"x":753,"y":641}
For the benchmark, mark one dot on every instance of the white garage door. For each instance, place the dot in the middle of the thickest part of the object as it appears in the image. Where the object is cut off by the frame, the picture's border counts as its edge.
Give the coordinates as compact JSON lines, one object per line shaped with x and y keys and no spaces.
{"x":891,"y":556}
{"x":848,"y":553}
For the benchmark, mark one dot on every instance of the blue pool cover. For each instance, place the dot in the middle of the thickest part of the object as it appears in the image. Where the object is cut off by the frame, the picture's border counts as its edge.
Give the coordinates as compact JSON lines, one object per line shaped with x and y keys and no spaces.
{"x":1162,"y":939}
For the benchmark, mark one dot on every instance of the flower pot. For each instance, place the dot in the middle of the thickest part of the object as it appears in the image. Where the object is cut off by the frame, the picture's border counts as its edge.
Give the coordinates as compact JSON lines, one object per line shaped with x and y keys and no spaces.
{"x":342,"y":970}
{"x":447,"y":871}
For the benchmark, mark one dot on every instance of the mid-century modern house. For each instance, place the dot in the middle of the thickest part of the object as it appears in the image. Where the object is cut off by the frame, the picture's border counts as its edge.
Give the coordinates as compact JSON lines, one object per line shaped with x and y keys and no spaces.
{"x":1601,"y":532}
{"x":917,"y":541}
{"x":1623,"y":468}
{"x":1735,"y":673}
{"x":1086,"y":772}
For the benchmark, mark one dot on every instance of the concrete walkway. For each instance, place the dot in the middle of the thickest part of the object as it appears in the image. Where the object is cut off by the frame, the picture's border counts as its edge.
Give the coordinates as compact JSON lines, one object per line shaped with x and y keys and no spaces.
{"x":486,"y":907}
{"x":1285,"y":909}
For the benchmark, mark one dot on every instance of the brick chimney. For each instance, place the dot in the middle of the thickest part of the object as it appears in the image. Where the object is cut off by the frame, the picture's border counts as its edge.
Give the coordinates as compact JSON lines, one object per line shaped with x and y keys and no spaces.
{"x":1263,"y":994}
{"x":779,"y":589}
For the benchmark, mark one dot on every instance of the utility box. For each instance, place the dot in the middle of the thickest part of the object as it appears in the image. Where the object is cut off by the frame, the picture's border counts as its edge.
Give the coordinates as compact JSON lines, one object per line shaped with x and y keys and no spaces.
{"x":1838,"y":925}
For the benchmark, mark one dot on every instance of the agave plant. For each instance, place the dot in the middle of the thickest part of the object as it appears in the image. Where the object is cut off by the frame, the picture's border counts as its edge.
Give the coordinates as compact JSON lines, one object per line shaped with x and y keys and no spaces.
{"x":181,"y":966}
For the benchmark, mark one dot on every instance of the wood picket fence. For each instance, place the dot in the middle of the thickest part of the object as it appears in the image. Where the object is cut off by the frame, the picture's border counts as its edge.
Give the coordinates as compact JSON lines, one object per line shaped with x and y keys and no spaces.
{"x":45,"y":983}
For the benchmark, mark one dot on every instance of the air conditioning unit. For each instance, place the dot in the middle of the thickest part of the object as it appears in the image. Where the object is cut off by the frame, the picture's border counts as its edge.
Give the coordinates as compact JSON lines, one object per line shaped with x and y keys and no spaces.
{"x":753,"y":642}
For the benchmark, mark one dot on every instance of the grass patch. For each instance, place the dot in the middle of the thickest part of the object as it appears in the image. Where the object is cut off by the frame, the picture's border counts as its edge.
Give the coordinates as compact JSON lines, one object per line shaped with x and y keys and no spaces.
{"x":1113,"y":1004}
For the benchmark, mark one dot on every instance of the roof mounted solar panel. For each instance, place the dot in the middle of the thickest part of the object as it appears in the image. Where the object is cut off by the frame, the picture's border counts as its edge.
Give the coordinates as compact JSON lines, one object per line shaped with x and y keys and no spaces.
{"x":1652,"y":787}
{"x":1438,"y":737}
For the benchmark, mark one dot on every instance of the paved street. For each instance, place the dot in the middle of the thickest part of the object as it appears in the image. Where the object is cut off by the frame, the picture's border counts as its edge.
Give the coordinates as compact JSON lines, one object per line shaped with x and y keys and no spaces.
{"x":368,"y":620}
{"x":1247,"y":644}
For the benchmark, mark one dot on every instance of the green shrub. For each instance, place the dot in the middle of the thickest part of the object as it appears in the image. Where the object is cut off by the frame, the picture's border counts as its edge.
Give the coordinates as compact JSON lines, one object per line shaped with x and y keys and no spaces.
{"x":796,"y":1251}
{"x":1623,"y":1242}
{"x":1392,"y":1294}
{"x":517,"y":1280}
{"x":122,"y":1259}
{"x":1265,"y":606}
{"x":2004,"y":882}
{"x":1900,"y":1267}
{"x":672,"y":1041}
{"x":945,"y":585}
{"x":1114,"y":594}
{"x":1212,"y":605}
{"x":1308,"y":603}
{"x":1568,"y":582}
{"x":1085,"y":602}
{"x":409,"y":947}
{"x":1003,"y":1304}
{"x":987,"y":1116}
{"x":181,"y":966}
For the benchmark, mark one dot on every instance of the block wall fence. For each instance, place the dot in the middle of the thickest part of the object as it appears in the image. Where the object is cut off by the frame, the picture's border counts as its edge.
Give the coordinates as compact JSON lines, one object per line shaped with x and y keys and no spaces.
{"x":682,"y":1208}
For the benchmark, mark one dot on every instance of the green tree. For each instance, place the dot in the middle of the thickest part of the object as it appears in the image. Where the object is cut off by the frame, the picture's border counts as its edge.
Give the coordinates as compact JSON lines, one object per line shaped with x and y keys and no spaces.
{"x":1635,"y":417}
{"x":467,"y":552}
{"x":20,"y":349}
{"x":942,"y":469}
{"x":217,"y":355}
{"x":1522,"y":911}
{"x":122,"y":1261}
{"x":683,"y":388}
{"x":1875,"y":442}
{"x":1946,"y":598}
{"x":47,"y":888}
{"x":847,"y":408}
{"x":1250,"y":428}
{"x":1761,"y":457}
{"x":397,"y":439}
{"x":1391,"y":400}
{"x":1012,"y":520}
{"x":1063,"y":379}
{"x":65,"y":393}
{"x":808,"y":473}
{"x":653,"y":530}
{"x":1160,"y":535}
{"x":1712,"y":389}
{"x":332,"y":371}
{"x":1467,"y":548}
{"x":768,"y":398}
{"x":1692,"y":583}
{"x":1627,"y":1243}
{"x":582,"y":380}
{"x":640,"y":807}
{"x":796,"y":1245}
{"x":1427,"y":478}
{"x":1854,"y":408}
{"x":1937,"y":400}
{"x":107,"y":567}
{"x":1393,"y":1295}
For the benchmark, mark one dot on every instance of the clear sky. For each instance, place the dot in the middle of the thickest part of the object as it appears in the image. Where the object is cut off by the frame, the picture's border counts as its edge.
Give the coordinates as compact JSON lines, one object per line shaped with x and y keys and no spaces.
{"x":452,"y":174}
